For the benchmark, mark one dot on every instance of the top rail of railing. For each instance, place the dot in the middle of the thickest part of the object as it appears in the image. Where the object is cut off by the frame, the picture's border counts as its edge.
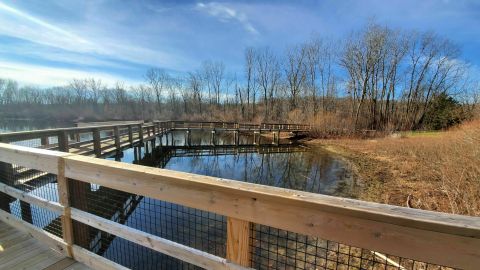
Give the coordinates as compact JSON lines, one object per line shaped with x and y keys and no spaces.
{"x":440,"y":238}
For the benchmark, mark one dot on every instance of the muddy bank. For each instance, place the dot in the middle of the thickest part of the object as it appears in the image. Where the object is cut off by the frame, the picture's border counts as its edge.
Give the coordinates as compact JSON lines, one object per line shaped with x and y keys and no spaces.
{"x":372,"y":174}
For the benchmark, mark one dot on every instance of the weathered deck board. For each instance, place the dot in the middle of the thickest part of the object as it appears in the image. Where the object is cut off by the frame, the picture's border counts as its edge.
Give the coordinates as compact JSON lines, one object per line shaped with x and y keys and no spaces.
{"x":19,"y":250}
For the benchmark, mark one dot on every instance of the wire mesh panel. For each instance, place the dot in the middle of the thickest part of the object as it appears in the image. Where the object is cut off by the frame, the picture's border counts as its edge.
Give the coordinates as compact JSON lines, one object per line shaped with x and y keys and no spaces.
{"x":191,"y":227}
{"x":132,"y":255}
{"x":34,"y":182}
{"x":273,"y":248}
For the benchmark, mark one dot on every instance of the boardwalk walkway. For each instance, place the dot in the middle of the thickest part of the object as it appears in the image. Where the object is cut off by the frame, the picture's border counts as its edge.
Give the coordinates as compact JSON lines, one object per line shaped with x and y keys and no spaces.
{"x":257,"y":221}
{"x":19,"y":250}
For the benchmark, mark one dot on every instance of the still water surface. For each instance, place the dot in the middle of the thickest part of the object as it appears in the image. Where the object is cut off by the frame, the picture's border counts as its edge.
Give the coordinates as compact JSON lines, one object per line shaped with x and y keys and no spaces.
{"x":292,"y":166}
{"x":288,"y":165}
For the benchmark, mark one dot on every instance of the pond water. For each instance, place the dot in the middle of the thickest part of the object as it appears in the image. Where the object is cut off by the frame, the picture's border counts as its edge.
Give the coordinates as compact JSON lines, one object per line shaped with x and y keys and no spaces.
{"x":288,"y":165}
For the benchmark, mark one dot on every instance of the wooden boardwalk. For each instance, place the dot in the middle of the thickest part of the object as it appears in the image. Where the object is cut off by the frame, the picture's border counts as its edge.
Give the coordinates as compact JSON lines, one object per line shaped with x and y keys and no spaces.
{"x":19,"y":250}
{"x":404,"y":238}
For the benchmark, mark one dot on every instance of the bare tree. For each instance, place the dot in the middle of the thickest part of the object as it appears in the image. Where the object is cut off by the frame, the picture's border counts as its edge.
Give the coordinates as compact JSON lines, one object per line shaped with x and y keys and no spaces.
{"x":372,"y":60}
{"x":268,"y":77}
{"x":142,"y":95}
{"x":80,"y":89}
{"x":186,"y":95}
{"x":158,"y":81}
{"x":295,"y":73}
{"x":94,"y":87}
{"x":433,"y":69}
{"x":196,"y":87}
{"x":251,"y":87}
{"x":213,"y":77}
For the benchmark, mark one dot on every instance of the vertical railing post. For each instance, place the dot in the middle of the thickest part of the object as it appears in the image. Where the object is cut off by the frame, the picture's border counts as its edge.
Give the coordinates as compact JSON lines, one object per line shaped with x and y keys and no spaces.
{"x":63,"y":199}
{"x":7,"y":177}
{"x":238,"y":241}
{"x":116,"y":133}
{"x":140,"y":133}
{"x":212,"y":139}
{"x":154,"y":128}
{"x":130,"y":135}
{"x":97,"y":147}
{"x":63,"y":141}
{"x":44,"y":141}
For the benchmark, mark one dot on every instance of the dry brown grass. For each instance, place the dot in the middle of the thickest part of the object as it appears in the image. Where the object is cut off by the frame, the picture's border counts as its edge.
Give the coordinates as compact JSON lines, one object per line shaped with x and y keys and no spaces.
{"x":438,"y":171}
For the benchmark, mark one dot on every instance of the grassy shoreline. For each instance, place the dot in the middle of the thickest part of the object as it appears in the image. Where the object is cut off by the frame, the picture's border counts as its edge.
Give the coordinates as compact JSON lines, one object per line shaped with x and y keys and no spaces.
{"x":437,"y":171}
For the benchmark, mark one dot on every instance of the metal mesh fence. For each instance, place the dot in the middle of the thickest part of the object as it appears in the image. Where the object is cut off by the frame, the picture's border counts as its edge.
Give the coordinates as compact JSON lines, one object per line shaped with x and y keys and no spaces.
{"x":279,"y":249}
{"x":271,"y":248}
{"x":34,"y":182}
{"x":132,"y":255}
{"x":191,"y":227}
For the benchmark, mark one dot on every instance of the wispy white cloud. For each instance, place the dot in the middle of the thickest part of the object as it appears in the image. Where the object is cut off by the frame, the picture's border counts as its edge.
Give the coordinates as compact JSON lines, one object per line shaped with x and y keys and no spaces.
{"x":37,"y":51}
{"x":18,"y":24}
{"x":50,"y":76}
{"x":227,"y":14}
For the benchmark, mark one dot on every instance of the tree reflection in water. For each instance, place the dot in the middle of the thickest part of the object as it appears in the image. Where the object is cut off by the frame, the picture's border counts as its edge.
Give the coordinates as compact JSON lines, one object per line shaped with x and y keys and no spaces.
{"x":312,"y":170}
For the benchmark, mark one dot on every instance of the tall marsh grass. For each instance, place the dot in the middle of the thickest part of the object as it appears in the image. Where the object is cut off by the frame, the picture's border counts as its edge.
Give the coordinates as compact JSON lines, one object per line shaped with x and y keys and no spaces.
{"x":440,"y":172}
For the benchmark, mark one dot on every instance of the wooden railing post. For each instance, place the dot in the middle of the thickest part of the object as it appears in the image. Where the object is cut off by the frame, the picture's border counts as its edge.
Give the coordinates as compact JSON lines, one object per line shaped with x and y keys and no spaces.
{"x":97,"y":147}
{"x":130,"y":135}
{"x":6,"y":174}
{"x":63,"y":141}
{"x":44,"y":141}
{"x":154,"y":129}
{"x":238,"y":241}
{"x":116,"y":133}
{"x":63,"y":199}
{"x":140,"y":133}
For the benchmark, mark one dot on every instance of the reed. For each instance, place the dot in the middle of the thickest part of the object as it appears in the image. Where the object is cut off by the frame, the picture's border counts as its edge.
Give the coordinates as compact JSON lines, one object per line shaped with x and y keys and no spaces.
{"x":429,"y":170}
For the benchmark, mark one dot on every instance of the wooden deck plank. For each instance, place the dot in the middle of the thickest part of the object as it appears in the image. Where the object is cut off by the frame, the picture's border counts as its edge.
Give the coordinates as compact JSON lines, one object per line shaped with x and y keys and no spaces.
{"x":39,"y":261}
{"x":77,"y":266}
{"x":62,"y":264}
{"x":19,"y":250}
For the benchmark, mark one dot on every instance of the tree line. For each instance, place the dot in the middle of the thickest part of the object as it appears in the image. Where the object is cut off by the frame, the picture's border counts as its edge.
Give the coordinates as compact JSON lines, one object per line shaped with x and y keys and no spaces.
{"x":376,"y":78}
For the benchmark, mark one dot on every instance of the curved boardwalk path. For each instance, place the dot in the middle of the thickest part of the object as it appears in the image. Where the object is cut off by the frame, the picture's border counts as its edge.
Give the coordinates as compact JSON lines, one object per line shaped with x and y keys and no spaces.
{"x":19,"y":250}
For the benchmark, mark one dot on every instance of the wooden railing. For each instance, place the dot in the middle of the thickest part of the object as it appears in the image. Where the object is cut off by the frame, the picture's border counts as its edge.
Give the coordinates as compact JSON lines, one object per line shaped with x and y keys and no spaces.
{"x":439,"y":238}
{"x":103,"y":140}
{"x":75,"y":133}
{"x":241,"y":126}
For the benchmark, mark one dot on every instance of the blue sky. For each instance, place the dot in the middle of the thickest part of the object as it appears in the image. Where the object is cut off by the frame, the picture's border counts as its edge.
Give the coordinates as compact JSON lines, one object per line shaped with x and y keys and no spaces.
{"x":50,"y":42}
